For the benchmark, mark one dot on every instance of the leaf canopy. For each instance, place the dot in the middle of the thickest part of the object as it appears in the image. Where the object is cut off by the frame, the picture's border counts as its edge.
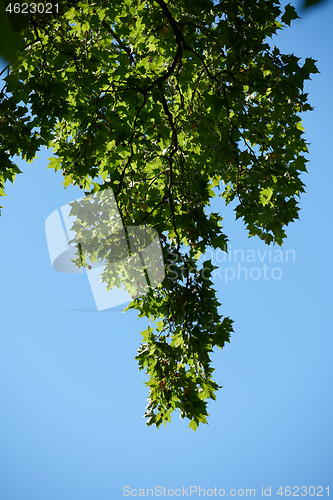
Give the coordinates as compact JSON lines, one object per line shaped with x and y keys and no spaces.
{"x":166,"y":102}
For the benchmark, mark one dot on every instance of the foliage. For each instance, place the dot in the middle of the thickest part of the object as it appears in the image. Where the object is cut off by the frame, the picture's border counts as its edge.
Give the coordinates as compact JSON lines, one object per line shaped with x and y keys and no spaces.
{"x":167,"y":102}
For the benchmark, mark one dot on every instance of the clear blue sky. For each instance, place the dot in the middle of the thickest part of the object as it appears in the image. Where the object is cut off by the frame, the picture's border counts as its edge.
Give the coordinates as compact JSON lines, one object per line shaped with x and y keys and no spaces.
{"x":72,"y":397}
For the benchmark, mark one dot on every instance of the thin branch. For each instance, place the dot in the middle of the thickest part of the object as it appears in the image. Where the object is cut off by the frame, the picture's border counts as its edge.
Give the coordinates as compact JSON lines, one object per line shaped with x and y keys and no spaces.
{"x":120,"y":43}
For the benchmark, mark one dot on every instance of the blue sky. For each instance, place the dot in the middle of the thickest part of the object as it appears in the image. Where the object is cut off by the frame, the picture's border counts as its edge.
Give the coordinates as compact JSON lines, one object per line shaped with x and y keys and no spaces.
{"x":72,"y":397}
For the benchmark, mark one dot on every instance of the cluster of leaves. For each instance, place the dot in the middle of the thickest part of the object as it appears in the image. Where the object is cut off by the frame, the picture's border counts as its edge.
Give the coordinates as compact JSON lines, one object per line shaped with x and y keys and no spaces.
{"x":165,"y":102}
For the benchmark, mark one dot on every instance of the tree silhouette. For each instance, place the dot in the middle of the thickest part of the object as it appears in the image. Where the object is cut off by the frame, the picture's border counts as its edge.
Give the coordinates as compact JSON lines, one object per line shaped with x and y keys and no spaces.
{"x":169,"y":103}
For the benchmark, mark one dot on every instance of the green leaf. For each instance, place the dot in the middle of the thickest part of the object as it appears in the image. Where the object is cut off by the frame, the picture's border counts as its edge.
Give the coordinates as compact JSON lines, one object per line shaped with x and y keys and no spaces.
{"x":265,"y":196}
{"x":289,"y":15}
{"x":54,"y":163}
{"x":164,"y":113}
{"x":193,"y":425}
